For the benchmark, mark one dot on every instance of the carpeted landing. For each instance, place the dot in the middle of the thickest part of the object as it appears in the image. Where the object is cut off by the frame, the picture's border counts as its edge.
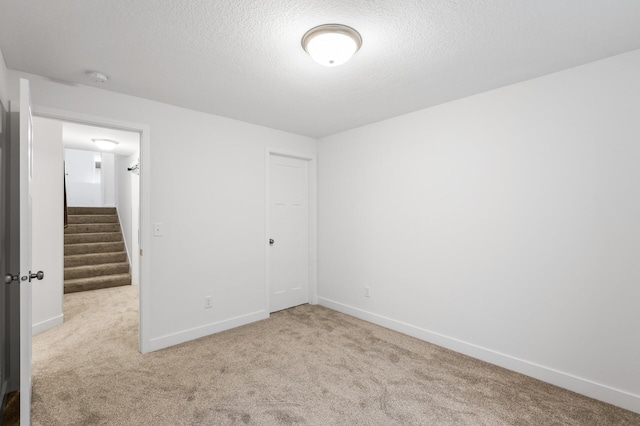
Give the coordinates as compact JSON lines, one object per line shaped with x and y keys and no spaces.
{"x":306,"y":365}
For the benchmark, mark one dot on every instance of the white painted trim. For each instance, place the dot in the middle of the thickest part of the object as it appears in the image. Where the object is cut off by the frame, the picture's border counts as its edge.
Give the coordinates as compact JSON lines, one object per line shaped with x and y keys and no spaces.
{"x":312,"y":192}
{"x":144,"y":312}
{"x":144,"y":229}
{"x":267,"y":176}
{"x":47,"y":324}
{"x":173,"y":339}
{"x":564,"y":380}
{"x":94,"y":120}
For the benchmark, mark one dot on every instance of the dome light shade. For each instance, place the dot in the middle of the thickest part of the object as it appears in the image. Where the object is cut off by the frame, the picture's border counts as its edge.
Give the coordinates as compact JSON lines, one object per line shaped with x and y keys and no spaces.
{"x":331,"y":44}
{"x":97,"y":76}
{"x":105,"y":144}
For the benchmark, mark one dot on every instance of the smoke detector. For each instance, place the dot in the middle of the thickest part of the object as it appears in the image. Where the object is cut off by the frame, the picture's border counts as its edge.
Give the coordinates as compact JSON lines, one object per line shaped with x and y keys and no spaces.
{"x":97,"y":77}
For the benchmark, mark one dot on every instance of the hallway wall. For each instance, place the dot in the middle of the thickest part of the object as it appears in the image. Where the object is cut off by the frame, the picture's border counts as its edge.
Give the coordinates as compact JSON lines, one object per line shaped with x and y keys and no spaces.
{"x":127,"y":202}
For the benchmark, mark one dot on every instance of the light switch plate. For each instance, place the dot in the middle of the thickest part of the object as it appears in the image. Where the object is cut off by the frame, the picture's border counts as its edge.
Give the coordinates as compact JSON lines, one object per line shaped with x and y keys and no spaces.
{"x":158,"y":230}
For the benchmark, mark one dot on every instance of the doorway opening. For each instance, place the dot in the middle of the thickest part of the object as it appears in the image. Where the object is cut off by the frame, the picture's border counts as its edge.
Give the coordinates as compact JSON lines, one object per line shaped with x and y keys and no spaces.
{"x":102,"y":189}
{"x":90,"y":195}
{"x":117,"y":179}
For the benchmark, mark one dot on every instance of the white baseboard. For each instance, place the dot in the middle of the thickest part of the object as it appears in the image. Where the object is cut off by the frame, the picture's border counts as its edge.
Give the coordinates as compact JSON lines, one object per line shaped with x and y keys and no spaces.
{"x":46,"y":325}
{"x":579,"y":385}
{"x":168,"y":340}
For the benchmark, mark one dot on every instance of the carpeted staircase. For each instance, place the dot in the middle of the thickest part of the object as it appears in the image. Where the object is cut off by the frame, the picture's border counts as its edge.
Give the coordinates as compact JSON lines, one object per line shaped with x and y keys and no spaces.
{"x":94,"y":254}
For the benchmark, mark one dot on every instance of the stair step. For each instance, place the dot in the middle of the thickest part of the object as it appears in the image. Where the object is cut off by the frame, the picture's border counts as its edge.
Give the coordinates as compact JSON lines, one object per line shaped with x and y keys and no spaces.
{"x":99,"y":237}
{"x":91,"y":210}
{"x":88,"y":271}
{"x":92,"y":218}
{"x":92,"y":228}
{"x":94,"y":250}
{"x":90,"y":248}
{"x":85,"y":284}
{"x":94,"y":258}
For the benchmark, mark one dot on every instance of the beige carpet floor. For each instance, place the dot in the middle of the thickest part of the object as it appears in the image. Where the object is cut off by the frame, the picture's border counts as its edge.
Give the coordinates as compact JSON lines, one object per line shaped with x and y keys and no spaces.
{"x":306,"y":365}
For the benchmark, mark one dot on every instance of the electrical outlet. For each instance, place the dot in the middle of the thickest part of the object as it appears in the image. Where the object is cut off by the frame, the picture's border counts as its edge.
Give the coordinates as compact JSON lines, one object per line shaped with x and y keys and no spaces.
{"x":367,"y":291}
{"x":208,"y":302}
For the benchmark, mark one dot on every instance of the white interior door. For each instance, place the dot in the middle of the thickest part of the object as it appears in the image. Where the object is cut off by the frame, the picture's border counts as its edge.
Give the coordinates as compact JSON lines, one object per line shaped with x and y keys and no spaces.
{"x":288,"y":232}
{"x":26,"y":172}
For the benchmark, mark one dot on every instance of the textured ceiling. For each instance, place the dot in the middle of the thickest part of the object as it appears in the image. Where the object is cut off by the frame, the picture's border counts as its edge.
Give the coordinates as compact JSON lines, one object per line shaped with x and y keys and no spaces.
{"x":242,"y":58}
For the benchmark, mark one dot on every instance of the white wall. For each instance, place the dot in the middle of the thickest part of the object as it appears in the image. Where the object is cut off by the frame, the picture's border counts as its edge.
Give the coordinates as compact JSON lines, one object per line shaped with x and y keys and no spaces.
{"x":48,"y":223}
{"x":127,"y":201}
{"x":207,"y":178}
{"x":88,"y":186}
{"x":4,"y":92}
{"x":108,"y":179}
{"x":505,"y":225}
{"x":84,"y":181}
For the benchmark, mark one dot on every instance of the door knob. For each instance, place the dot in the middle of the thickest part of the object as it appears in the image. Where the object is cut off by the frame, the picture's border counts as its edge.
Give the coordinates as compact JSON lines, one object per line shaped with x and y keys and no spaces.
{"x":271,"y":241}
{"x":8,"y":279}
{"x":38,"y":275}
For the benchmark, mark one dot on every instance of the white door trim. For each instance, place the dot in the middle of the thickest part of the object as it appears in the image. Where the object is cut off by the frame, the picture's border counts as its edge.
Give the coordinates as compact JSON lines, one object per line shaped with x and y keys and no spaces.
{"x":313,"y":220}
{"x":144,"y":339}
{"x":25,"y":146}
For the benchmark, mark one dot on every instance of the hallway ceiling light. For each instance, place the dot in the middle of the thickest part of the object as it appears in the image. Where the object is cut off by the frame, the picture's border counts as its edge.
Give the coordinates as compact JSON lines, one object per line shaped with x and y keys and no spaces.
{"x":97,"y":76}
{"x":331,"y":44}
{"x":106,"y":144}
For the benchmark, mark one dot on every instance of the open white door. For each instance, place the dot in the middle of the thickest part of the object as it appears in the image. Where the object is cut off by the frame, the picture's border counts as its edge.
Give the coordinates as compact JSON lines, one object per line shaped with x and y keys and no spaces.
{"x":26,"y":173}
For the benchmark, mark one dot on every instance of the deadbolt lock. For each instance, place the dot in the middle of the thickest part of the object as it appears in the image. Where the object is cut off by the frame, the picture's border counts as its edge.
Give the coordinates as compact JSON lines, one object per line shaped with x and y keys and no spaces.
{"x":38,"y":275}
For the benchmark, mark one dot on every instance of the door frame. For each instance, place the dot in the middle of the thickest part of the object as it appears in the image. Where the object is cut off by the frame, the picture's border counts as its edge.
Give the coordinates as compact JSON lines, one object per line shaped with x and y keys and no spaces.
{"x":5,"y":262}
{"x":312,"y":220}
{"x":144,"y":256}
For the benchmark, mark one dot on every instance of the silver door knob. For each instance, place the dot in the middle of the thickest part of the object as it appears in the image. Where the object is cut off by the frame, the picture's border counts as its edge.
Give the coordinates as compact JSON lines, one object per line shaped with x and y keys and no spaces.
{"x":38,"y":275}
{"x":8,"y":279}
{"x":271,"y":241}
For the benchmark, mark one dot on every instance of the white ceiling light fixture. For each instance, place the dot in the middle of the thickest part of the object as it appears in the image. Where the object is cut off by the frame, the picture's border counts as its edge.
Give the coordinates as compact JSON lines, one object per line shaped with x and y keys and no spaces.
{"x":105,"y":144}
{"x":331,"y":44}
{"x":98,"y":77}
